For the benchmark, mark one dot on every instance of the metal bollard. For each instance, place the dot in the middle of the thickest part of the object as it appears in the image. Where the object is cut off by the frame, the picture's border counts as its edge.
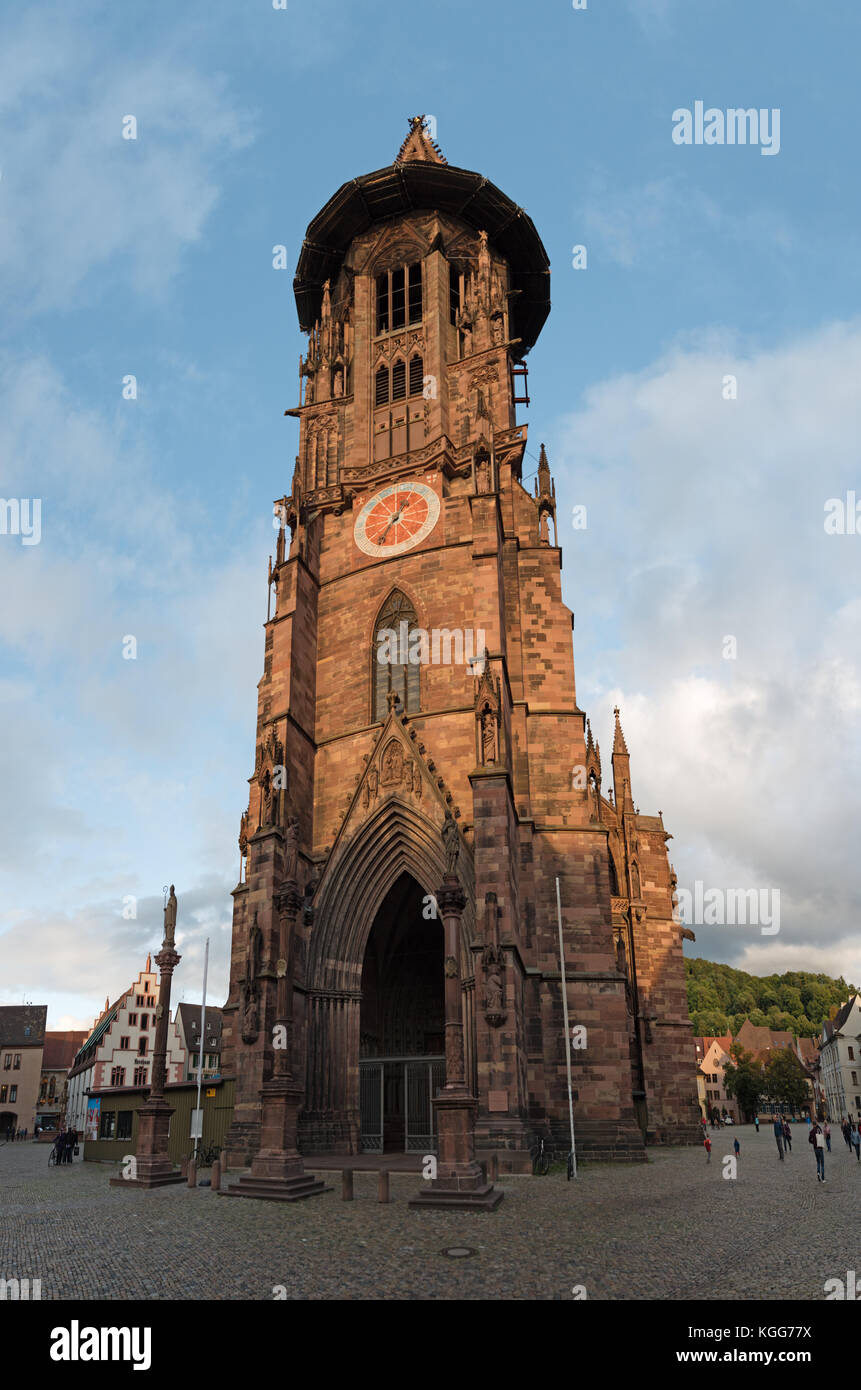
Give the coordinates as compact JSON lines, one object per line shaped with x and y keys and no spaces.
{"x":216,"y":1175}
{"x":383,"y":1194}
{"x":347,"y":1185}
{"x":192,"y":1173}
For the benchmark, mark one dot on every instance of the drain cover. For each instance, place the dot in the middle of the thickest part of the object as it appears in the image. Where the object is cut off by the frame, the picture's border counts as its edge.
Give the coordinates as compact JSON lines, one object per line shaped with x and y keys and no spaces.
{"x":458,"y":1252}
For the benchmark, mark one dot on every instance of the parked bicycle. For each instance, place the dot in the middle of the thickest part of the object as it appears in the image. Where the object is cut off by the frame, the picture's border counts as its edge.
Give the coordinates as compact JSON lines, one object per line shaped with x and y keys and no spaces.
{"x":207,"y":1156}
{"x":541,"y":1156}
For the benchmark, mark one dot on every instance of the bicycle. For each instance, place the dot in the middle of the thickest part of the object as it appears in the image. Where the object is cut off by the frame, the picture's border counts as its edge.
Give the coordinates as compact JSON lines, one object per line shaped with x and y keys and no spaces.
{"x":206,"y":1157}
{"x":54,"y":1157}
{"x":541,"y":1158}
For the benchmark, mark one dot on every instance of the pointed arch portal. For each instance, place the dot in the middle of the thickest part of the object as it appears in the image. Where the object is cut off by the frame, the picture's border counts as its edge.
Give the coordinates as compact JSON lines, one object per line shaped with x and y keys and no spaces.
{"x":375,"y":978}
{"x":402,"y":1023}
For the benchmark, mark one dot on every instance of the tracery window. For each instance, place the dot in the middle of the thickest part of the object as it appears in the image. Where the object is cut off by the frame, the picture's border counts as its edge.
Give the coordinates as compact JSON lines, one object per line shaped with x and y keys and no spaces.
{"x":399,"y":297}
{"x":392,"y":668}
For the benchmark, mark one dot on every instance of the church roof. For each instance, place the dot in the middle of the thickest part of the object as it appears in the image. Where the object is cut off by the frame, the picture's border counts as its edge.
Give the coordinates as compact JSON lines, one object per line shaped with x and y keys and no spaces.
{"x":412,"y":184}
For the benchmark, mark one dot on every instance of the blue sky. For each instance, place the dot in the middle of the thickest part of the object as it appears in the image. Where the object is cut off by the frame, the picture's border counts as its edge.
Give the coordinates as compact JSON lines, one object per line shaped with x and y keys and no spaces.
{"x":154,"y":257}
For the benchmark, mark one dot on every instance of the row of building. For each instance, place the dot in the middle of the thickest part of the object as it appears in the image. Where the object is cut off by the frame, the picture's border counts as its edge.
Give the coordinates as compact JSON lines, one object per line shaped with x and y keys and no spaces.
{"x":78,"y":1078}
{"x":54,"y":1079}
{"x":831,"y":1065}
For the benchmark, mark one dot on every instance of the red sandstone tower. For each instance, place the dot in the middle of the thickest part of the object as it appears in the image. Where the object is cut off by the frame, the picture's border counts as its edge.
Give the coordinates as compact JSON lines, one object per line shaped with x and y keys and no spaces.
{"x":408,"y":545}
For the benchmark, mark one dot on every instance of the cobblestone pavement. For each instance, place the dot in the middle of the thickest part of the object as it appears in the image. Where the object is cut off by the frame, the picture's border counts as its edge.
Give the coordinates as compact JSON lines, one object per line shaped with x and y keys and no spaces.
{"x":674,"y":1228}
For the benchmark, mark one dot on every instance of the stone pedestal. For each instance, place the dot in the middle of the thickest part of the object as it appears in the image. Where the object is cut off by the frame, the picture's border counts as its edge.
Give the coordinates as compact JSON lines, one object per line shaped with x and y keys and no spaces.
{"x":460,"y":1182}
{"x":153,"y":1166}
{"x":277,"y":1170}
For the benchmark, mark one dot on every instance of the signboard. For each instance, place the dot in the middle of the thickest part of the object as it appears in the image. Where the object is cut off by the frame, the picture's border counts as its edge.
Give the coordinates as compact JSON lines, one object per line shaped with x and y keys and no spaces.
{"x":210,"y":1091}
{"x":94,"y":1107}
{"x":197,"y":1124}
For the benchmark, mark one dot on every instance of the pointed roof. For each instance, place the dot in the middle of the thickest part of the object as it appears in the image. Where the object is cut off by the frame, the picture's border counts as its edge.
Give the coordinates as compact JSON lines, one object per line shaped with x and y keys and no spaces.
{"x":619,"y":744}
{"x":419,"y":145}
{"x":424,"y":181}
{"x":148,"y":964}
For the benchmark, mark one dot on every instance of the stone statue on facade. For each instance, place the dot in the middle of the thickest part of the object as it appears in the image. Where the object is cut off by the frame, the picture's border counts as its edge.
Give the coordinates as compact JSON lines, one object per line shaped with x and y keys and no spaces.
{"x":451,"y":843}
{"x":291,"y":850}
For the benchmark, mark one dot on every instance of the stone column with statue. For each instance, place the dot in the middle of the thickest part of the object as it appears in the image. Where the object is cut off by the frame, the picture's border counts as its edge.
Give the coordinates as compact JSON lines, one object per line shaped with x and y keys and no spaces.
{"x":460,"y":1181}
{"x":277,"y":1170}
{"x":152,"y":1165}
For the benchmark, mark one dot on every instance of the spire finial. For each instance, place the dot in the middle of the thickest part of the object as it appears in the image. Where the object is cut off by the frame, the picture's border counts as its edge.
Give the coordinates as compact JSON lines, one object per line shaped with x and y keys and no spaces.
{"x":419,"y":144}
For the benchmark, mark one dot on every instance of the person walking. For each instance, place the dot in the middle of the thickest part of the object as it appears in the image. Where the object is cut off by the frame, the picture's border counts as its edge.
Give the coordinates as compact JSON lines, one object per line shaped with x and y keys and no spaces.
{"x":737,"y":1147}
{"x":847,"y":1141}
{"x":73,"y":1140}
{"x":826,"y":1130}
{"x":778,"y":1135}
{"x":787,"y":1136}
{"x":707,"y":1144}
{"x":817,"y":1139}
{"x":855,"y":1136}
{"x":756,"y":1122}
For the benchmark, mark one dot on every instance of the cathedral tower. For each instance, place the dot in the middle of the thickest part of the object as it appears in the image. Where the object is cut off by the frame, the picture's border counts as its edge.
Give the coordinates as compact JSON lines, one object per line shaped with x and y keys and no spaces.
{"x":418,"y":664}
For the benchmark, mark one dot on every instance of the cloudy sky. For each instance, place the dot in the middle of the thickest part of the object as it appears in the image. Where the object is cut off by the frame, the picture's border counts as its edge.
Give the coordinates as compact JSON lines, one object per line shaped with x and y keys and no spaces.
{"x":152,"y":258}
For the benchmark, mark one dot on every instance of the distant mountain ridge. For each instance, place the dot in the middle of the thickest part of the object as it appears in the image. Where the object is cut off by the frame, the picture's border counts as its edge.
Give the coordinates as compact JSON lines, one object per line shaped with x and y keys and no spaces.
{"x":720,"y":998}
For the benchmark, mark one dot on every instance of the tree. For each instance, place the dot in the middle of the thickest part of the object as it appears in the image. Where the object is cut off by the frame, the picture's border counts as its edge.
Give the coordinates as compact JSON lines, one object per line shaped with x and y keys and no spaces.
{"x":785,"y":1080}
{"x":742,"y":1079}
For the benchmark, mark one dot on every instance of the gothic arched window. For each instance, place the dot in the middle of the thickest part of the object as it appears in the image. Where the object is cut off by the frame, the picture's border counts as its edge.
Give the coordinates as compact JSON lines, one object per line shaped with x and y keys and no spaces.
{"x":390,"y":655}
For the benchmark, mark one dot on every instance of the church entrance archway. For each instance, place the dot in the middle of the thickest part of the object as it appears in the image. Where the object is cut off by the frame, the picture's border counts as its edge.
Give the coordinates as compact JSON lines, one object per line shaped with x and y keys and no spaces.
{"x":402,"y":1028}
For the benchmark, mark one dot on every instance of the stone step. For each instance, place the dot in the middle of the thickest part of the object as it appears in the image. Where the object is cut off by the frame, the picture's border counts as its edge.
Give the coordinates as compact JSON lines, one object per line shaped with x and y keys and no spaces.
{"x":275,"y":1190}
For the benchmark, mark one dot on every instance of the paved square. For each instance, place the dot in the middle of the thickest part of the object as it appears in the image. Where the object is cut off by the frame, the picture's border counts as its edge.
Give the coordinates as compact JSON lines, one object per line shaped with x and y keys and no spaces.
{"x":670,"y":1229}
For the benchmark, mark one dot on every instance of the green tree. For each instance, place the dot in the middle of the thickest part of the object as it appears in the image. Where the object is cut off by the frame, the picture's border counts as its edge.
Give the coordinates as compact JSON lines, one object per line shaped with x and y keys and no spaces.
{"x":784,"y":1079}
{"x":743,"y":1079}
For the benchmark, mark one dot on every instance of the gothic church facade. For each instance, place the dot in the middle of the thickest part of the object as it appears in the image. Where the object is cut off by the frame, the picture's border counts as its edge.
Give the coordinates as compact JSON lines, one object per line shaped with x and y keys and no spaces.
{"x":418,"y":670}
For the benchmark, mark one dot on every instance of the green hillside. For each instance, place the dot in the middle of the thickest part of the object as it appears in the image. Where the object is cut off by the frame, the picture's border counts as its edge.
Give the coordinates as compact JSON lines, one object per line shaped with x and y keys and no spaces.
{"x":720,"y":998}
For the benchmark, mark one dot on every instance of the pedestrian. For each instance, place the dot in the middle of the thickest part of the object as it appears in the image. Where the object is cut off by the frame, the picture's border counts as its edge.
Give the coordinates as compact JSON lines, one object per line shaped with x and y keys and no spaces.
{"x":73,"y":1140}
{"x":817,"y":1139}
{"x":778,"y":1135}
{"x":826,"y":1130}
{"x":856,"y":1141}
{"x":737,"y":1146}
{"x":707,"y":1144}
{"x":787,"y":1136}
{"x":756,"y":1122}
{"x":845,"y":1127}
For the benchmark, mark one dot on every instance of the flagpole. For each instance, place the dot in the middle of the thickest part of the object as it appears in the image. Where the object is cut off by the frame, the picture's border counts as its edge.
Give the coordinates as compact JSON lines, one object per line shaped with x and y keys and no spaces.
{"x":203,"y":1038}
{"x":567,"y":1033}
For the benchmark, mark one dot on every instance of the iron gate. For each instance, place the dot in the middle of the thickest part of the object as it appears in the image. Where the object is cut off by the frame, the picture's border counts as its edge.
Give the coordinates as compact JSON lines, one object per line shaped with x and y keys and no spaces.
{"x":371,"y":1106}
{"x":421,"y":1078}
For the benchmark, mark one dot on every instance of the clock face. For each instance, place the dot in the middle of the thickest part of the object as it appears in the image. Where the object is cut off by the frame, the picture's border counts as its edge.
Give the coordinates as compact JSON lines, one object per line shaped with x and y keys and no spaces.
{"x":395,"y":519}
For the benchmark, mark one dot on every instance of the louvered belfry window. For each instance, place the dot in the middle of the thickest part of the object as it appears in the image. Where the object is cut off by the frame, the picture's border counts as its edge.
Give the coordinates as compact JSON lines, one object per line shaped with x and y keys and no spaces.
{"x":417,"y":374}
{"x":399,"y":675}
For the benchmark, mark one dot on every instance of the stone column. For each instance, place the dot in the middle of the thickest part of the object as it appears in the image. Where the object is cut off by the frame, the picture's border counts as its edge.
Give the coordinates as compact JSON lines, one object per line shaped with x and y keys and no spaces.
{"x":153,"y":1165}
{"x":278,"y":1172}
{"x":461,"y":1181}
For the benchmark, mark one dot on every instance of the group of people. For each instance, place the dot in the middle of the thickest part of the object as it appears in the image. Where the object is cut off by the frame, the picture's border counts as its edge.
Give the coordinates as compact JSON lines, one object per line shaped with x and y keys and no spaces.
{"x":13,"y":1134}
{"x":64,"y":1145}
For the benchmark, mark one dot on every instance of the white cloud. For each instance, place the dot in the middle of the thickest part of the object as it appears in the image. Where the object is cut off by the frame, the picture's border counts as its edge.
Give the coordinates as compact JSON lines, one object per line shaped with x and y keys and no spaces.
{"x":706,"y":520}
{"x":77,"y":198}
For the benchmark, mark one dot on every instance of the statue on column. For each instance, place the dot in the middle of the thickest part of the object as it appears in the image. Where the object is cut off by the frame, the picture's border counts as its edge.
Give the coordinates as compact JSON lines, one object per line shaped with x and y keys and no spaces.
{"x":451,"y":843}
{"x":170,"y":918}
{"x":291,"y":850}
